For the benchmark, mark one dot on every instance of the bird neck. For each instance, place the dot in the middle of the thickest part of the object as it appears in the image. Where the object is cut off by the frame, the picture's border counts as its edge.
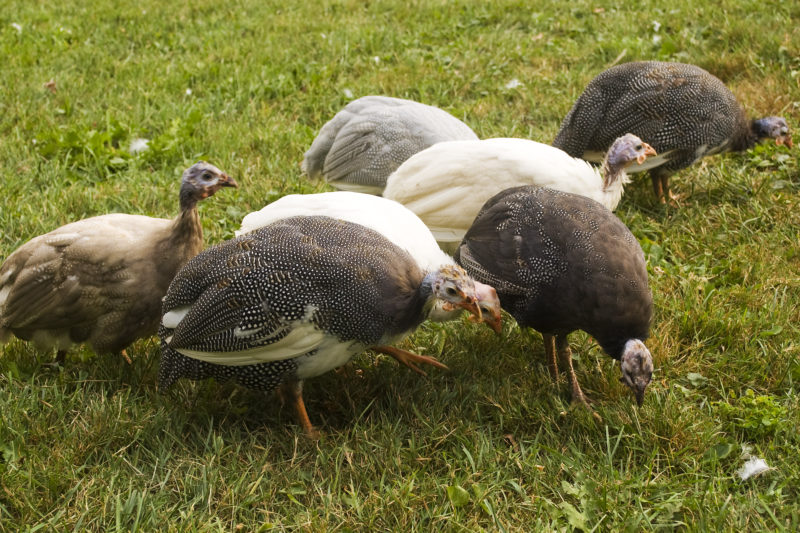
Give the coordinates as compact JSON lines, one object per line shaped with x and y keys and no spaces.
{"x":614,"y":180}
{"x":746,"y":137}
{"x":425,"y":293}
{"x":187,"y":230}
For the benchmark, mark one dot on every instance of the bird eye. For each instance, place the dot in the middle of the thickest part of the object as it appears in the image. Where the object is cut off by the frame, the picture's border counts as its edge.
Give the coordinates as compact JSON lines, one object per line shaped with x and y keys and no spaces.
{"x":451,"y":291}
{"x":638,"y":147}
{"x":206,"y":175}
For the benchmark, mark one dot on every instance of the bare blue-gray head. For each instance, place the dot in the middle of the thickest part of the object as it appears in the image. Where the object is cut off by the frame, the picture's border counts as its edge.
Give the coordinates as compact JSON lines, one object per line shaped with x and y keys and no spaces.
{"x":636,"y":364}
{"x":625,"y":150}
{"x":773,"y":128}
{"x":200,"y":181}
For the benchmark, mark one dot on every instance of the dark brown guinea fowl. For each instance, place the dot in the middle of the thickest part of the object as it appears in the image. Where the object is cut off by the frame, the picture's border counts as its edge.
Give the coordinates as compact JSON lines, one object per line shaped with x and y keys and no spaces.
{"x":101,"y":280}
{"x":561,"y":262}
{"x":681,"y":110}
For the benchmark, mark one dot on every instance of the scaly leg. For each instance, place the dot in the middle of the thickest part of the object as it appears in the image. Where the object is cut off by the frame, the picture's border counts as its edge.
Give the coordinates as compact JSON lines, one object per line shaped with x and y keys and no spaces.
{"x":124,"y":354}
{"x":293,"y":390}
{"x":550,"y":354}
{"x":566,"y":360}
{"x":407,"y":358}
{"x":658,"y":186}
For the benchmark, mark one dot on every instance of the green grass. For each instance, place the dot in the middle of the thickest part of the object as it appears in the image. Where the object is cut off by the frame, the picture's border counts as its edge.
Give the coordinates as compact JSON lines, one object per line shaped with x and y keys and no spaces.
{"x":490,"y":445}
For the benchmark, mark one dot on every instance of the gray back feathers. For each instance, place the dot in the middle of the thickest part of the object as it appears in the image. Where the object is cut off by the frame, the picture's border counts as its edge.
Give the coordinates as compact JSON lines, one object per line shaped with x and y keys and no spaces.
{"x":367,"y":140}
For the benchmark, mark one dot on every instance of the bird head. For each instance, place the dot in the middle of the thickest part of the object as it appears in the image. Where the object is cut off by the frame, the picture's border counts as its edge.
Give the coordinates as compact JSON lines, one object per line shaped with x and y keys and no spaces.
{"x":773,"y":128}
{"x":456,"y":289}
{"x":636,"y":364}
{"x":488,"y":304}
{"x":202,"y":180}
{"x":628,"y":149}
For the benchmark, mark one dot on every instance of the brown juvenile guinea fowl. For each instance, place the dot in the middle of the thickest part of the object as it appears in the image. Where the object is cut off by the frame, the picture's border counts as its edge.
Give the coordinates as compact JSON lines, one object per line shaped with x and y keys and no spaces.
{"x":561,"y":262}
{"x":367,"y":140}
{"x":101,"y":280}
{"x":681,"y":110}
{"x":294,"y":299}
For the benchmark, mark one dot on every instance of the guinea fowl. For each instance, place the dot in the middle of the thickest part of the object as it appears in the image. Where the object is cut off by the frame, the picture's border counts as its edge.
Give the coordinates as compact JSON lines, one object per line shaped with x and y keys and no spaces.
{"x":447,"y":184}
{"x":684,"y":112}
{"x":295,"y":299}
{"x":101,"y":280}
{"x":562,"y":262}
{"x":391,"y":220}
{"x":368,"y":139}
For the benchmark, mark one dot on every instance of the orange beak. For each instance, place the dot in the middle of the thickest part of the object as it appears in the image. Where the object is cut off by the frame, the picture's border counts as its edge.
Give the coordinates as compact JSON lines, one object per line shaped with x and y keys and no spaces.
{"x":227,"y":181}
{"x":648,"y":151}
{"x":784,"y":139}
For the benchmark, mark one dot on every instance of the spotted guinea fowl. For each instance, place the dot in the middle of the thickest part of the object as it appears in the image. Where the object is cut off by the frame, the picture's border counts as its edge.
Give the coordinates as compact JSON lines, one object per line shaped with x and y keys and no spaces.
{"x":562,"y":262}
{"x":101,"y":280}
{"x":446,"y":184}
{"x":368,"y":139}
{"x":295,"y":299}
{"x":391,"y":220}
{"x":684,"y":112}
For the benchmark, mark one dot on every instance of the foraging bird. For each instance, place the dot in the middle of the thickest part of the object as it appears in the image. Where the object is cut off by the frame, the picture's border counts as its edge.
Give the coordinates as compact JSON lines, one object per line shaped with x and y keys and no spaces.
{"x":446,"y":184}
{"x":562,"y":262}
{"x":684,"y":112}
{"x":367,"y":140}
{"x":295,"y":299}
{"x":391,"y":220}
{"x":101,"y":280}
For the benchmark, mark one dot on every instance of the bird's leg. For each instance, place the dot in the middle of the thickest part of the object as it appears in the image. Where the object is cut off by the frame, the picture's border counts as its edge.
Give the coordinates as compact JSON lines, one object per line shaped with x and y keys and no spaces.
{"x":658,"y":185}
{"x":407,"y":358}
{"x":293,"y":390}
{"x":566,"y":360}
{"x":61,"y":356}
{"x":550,"y":354}
{"x":124,"y":354}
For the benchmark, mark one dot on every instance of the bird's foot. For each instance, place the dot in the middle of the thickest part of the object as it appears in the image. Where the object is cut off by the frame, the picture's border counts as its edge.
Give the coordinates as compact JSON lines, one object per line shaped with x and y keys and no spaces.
{"x":578,"y":398}
{"x":675,"y":199}
{"x":408,"y":359}
{"x":124,"y":354}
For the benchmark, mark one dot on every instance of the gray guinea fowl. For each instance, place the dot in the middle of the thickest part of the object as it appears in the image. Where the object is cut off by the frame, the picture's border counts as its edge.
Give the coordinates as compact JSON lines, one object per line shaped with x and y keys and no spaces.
{"x":561,"y":262}
{"x":367,"y":140}
{"x":681,"y":110}
{"x":100,"y":280}
{"x":294,"y":299}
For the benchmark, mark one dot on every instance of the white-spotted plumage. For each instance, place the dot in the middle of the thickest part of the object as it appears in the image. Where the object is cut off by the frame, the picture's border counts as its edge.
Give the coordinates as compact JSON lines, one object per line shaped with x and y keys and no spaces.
{"x":294,"y":299}
{"x":389,"y":218}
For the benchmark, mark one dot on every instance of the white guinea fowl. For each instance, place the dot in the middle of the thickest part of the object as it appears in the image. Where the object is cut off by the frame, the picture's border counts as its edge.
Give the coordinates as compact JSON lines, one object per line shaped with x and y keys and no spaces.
{"x":446,"y":184}
{"x":101,"y":280}
{"x":390,"y":219}
{"x":367,"y":140}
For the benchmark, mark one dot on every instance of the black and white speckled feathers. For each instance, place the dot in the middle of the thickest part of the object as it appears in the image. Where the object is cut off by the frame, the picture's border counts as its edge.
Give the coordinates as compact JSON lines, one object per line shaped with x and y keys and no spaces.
{"x":561,"y":262}
{"x":292,"y":300}
{"x":684,"y":112}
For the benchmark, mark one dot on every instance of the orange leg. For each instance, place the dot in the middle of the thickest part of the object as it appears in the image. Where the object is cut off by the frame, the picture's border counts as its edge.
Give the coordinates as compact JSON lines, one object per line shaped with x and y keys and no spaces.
{"x":293,"y":390}
{"x":407,"y":358}
{"x":658,"y":187}
{"x":124,"y":354}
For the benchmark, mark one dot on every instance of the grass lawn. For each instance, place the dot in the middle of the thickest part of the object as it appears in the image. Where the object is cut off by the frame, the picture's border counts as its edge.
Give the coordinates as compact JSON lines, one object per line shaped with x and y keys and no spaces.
{"x":490,"y":445}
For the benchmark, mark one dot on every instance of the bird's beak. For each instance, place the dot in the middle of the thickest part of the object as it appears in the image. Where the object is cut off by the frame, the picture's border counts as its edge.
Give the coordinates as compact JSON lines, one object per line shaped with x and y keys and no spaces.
{"x":470,"y":303}
{"x":227,"y":181}
{"x":648,"y":151}
{"x":639,"y":393}
{"x":784,"y":139}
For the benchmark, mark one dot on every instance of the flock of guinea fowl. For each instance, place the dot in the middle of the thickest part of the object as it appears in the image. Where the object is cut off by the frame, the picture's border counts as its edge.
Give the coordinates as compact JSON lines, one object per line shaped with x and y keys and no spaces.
{"x":312,"y":280}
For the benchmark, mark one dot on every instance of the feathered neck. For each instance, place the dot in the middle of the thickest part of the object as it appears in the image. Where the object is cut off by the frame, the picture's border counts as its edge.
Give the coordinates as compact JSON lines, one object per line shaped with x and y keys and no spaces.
{"x":614,"y":180}
{"x":746,"y":136}
{"x":187,"y":226}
